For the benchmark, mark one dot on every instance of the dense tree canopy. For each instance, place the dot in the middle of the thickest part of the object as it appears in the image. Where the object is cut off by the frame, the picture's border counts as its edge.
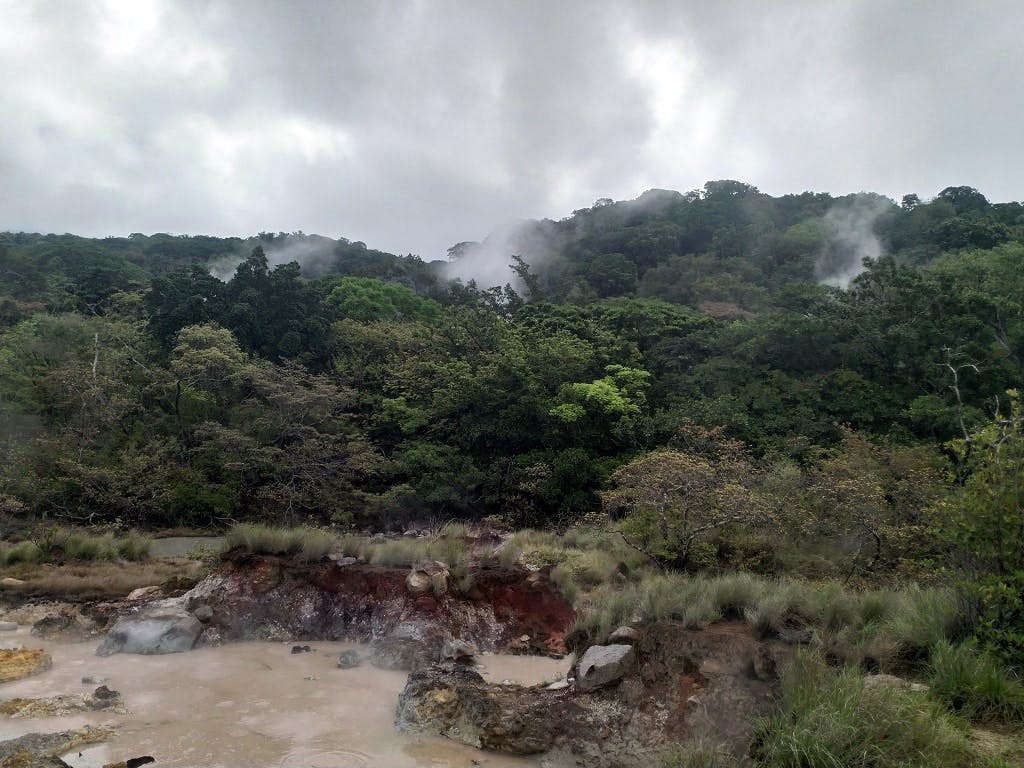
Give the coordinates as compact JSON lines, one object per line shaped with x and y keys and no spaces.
{"x":164,"y":379}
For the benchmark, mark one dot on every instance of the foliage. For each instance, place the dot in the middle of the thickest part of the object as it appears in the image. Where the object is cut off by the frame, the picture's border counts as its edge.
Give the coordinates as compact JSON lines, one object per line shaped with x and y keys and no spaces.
{"x":830,"y":717}
{"x":670,"y":499}
{"x":974,"y":684}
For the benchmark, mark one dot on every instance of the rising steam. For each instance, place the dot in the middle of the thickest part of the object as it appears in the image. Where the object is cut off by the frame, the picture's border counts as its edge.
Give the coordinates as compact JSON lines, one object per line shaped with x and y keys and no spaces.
{"x":850,"y":239}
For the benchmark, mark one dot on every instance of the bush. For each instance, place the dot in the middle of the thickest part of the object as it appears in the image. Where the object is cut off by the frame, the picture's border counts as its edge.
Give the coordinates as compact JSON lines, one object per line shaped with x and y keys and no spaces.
{"x":974,"y":683}
{"x":25,"y":552}
{"x":1000,"y":628}
{"x":829,"y":718}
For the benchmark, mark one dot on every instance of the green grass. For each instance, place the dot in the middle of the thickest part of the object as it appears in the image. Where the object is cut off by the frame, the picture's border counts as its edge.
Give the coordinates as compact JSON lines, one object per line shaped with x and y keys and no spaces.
{"x":23,"y":552}
{"x":57,"y":545}
{"x":305,"y":544}
{"x":830,"y":719}
{"x":975,"y":684}
{"x":879,"y":630}
{"x":698,"y":753}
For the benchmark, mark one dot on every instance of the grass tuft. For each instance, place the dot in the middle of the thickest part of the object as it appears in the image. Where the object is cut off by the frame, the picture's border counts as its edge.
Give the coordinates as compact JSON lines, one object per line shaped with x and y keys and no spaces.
{"x":830,"y":718}
{"x":975,"y":684}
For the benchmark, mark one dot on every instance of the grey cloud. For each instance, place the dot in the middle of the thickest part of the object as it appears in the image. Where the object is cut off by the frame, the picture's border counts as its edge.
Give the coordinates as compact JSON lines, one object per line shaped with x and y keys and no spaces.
{"x":416,"y":125}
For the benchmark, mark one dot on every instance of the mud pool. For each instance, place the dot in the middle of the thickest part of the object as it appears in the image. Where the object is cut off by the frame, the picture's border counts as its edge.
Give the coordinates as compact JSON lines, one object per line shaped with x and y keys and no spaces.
{"x":253,"y":705}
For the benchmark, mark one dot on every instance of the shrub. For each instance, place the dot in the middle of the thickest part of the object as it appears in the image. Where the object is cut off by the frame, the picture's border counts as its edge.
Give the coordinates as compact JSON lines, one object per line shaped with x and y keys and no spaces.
{"x":975,"y":684}
{"x":25,"y":552}
{"x":829,"y":718}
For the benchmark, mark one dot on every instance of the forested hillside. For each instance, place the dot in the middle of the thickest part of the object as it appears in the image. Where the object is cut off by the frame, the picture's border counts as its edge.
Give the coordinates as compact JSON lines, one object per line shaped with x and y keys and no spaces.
{"x":357,"y":386}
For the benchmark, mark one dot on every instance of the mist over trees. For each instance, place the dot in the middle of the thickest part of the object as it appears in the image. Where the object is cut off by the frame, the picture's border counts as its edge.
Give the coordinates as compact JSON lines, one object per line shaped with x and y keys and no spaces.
{"x":188,"y":380}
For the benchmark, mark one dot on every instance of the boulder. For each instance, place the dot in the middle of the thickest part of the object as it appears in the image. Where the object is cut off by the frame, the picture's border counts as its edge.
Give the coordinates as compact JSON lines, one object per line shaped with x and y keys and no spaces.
{"x":461,"y":706}
{"x":164,"y":627}
{"x":401,"y":653}
{"x":458,"y":651}
{"x":427,"y":576}
{"x":349,"y":659}
{"x":203,"y":612}
{"x":602,"y":665}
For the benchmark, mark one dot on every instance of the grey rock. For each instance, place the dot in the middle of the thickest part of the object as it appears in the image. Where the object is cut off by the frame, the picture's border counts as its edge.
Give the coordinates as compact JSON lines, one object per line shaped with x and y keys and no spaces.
{"x":891,"y":681}
{"x":459,"y":651}
{"x":427,"y":576}
{"x":623,"y":636}
{"x":164,"y":627}
{"x":404,"y":649}
{"x":603,"y":664}
{"x":558,"y":685}
{"x":93,"y":680}
{"x":203,"y":612}
{"x":349,"y":659}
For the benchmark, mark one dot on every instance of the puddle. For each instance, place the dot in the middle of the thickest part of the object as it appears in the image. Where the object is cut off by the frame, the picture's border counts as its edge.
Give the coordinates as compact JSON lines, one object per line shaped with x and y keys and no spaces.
{"x":254,"y":705}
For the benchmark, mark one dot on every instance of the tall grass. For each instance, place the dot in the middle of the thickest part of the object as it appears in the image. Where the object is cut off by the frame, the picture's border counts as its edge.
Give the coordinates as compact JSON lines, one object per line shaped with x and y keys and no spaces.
{"x":829,"y":718}
{"x":975,"y":684}
{"x":305,"y":544}
{"x":75,"y":545}
{"x":880,"y":629}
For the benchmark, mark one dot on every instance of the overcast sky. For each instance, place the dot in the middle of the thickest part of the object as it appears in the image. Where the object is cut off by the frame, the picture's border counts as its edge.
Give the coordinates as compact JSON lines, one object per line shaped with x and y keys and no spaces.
{"x":414,"y":125}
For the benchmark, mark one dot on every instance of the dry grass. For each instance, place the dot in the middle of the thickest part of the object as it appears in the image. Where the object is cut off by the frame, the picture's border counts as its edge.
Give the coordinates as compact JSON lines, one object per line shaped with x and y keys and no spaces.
{"x":100,"y":580}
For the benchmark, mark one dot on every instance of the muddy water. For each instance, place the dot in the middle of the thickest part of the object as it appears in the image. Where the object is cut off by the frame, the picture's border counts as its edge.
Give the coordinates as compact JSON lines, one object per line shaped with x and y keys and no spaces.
{"x":253,"y":705}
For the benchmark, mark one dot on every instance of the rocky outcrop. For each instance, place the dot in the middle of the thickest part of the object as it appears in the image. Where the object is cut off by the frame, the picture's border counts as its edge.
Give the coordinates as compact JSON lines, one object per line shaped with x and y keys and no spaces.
{"x":43,"y":750}
{"x":16,"y":664}
{"x":603,"y":664}
{"x":162,"y":627}
{"x":56,"y":706}
{"x":273,"y":598}
{"x":707,"y":684}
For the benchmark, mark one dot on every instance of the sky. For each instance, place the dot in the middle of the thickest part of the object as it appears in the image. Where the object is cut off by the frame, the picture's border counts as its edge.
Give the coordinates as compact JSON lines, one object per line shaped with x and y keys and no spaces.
{"x":415,"y":125}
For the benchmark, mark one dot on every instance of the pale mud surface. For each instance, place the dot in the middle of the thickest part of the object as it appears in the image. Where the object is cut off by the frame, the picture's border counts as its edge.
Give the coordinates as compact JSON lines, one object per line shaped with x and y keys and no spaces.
{"x":250,"y":705}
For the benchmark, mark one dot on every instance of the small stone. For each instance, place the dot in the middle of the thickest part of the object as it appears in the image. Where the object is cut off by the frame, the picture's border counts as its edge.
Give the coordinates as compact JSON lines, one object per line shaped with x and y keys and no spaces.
{"x":344,"y":561}
{"x":623,"y":636}
{"x":93,"y":680}
{"x":459,"y":651}
{"x":301,"y":649}
{"x":349,"y":659}
{"x":8,"y":626}
{"x":524,"y":639}
{"x":143,"y":592}
{"x":11,"y":582}
{"x":309,"y":677}
{"x":204,"y":613}
{"x":558,"y":685}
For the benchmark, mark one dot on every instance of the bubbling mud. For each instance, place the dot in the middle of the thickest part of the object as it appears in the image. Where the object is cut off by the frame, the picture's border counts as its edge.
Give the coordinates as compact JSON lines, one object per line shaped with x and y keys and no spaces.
{"x":254,"y":705}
